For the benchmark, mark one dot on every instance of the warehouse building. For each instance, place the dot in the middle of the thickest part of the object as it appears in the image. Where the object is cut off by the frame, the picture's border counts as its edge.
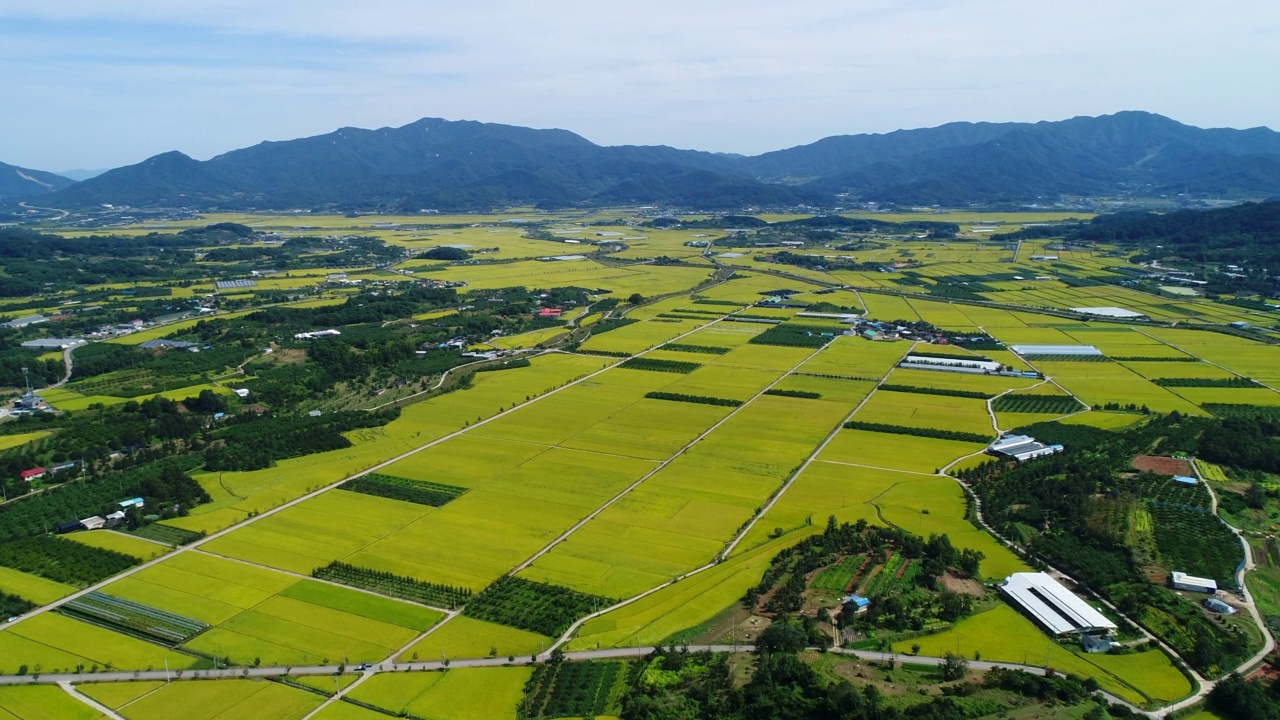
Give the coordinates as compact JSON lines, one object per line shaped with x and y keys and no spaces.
{"x":1054,"y":607}
{"x":1055,"y":350}
{"x":1191,"y":583}
{"x":1021,"y":448}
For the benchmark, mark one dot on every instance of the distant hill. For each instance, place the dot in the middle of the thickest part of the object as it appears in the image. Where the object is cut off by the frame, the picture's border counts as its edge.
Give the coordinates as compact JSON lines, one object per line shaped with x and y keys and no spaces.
{"x":17,"y":183}
{"x":1244,"y":233}
{"x":79,"y":174}
{"x":439,"y":164}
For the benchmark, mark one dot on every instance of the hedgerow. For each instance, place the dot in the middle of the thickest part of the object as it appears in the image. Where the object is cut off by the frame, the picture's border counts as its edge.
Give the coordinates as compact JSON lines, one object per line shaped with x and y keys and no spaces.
{"x":918,"y":432}
{"x":656,"y":365}
{"x":697,"y":399}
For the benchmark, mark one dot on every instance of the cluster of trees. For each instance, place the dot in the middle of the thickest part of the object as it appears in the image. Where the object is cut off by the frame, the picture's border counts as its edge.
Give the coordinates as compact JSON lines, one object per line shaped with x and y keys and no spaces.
{"x":795,"y":335}
{"x":1035,"y":403}
{"x":400,"y":586}
{"x":705,"y":349}
{"x":975,"y":394}
{"x":14,"y":357}
{"x":807,"y":395}
{"x":560,"y":689}
{"x":1240,"y":699}
{"x":62,"y":560}
{"x":11,"y":605}
{"x":658,"y":365}
{"x":1234,"y":382}
{"x":935,"y":433}
{"x":696,"y":399}
{"x":671,"y":683}
{"x":253,"y":442}
{"x":166,"y":489}
{"x":419,"y":492}
{"x":537,"y":607}
{"x":899,"y":608}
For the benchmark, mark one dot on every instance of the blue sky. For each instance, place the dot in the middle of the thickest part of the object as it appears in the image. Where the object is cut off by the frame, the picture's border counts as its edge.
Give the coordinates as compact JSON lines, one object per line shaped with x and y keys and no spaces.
{"x":91,"y":84}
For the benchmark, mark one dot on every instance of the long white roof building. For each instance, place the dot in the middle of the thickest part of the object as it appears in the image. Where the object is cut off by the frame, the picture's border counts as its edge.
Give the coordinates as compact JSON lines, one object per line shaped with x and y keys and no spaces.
{"x":1056,"y":608}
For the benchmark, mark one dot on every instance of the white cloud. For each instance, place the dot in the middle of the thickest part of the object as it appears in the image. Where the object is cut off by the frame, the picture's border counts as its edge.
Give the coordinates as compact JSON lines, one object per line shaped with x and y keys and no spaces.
{"x":112,"y":82}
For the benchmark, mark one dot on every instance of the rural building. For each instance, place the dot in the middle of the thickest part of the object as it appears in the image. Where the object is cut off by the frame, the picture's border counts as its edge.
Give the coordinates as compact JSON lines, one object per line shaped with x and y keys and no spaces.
{"x":53,"y":343}
{"x":976,"y":365}
{"x":131,"y":502}
{"x":1021,"y":448}
{"x":1055,"y":350}
{"x":316,"y":334}
{"x":71,"y":526}
{"x":1218,"y":606}
{"x":1191,"y":583}
{"x":1054,"y":607}
{"x":233,"y":284}
{"x":32,"y":474}
{"x":550,"y":312}
{"x":856,"y":604}
{"x":1185,"y":479}
{"x":93,"y":523}
{"x":241,"y":392}
{"x":1110,"y":312}
{"x":114,"y":519}
{"x":25,"y":321}
{"x":1096,"y":643}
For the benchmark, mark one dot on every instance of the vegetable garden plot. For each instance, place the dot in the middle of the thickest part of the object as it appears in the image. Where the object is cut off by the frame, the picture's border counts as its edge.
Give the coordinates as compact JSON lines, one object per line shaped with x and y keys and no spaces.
{"x":133,"y":618}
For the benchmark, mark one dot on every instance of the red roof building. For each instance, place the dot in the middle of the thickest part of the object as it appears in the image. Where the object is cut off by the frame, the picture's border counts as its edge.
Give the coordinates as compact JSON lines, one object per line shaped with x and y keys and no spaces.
{"x":32,"y":474}
{"x":550,"y":312}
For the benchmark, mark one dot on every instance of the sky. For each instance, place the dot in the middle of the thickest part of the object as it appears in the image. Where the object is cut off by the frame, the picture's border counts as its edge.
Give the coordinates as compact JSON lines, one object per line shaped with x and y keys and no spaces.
{"x":104,"y":83}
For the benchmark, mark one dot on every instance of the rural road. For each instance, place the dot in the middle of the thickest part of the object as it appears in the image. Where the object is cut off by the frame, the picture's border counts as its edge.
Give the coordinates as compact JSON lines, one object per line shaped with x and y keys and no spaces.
{"x":67,"y":680}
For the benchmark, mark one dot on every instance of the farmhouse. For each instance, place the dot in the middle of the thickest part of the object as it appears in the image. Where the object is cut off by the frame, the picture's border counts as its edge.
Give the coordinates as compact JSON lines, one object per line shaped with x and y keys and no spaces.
{"x":1021,"y":448}
{"x":93,"y":523}
{"x":1082,"y":350}
{"x":1191,"y":583}
{"x":549,"y":312}
{"x":1054,"y":607}
{"x":32,"y":474}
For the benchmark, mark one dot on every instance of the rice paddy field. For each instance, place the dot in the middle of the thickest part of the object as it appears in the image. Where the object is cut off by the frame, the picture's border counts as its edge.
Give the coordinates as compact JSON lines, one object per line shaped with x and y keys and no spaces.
{"x":571,"y":472}
{"x":277,"y":619}
{"x":465,"y":637}
{"x":460,"y":694}
{"x":1005,"y":635}
{"x":121,"y":543}
{"x":34,"y":588}
{"x":42,"y":702}
{"x":210,"y":700}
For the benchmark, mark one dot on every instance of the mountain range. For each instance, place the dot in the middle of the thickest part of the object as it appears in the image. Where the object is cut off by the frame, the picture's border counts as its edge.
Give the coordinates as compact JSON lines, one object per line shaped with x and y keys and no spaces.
{"x":466,"y":165}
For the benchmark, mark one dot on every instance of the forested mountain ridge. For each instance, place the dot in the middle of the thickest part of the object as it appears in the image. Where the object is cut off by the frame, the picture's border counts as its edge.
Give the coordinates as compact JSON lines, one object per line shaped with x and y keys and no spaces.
{"x":466,"y":165}
{"x":17,"y":183}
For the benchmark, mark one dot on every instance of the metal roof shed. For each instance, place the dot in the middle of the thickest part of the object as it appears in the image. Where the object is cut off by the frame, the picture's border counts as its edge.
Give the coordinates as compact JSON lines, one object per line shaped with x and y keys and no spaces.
{"x":1053,"y":606}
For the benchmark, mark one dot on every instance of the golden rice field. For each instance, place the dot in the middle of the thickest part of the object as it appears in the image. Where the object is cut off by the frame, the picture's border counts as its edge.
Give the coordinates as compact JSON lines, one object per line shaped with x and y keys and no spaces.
{"x":1003,"y":634}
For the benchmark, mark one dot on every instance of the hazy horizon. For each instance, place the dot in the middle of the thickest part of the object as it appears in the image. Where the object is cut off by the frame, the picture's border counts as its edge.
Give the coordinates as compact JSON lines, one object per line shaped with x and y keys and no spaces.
{"x":102,"y":85}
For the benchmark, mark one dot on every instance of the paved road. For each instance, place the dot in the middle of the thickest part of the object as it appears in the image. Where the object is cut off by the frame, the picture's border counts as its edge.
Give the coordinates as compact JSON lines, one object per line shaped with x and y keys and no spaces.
{"x":68,"y":681}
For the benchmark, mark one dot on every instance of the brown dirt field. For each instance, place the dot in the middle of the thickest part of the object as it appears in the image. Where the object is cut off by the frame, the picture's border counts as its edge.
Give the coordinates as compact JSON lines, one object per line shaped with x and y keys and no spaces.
{"x":1163,"y":465}
{"x":963,"y":587}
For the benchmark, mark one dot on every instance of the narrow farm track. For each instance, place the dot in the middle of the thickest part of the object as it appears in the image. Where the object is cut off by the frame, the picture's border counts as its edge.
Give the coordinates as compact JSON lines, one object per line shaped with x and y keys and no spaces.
{"x":70,"y":689}
{"x":316,"y":493}
{"x":661,"y":466}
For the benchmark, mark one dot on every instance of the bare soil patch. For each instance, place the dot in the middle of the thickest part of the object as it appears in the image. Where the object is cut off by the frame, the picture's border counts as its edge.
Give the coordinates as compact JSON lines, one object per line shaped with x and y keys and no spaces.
{"x":1163,"y":465}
